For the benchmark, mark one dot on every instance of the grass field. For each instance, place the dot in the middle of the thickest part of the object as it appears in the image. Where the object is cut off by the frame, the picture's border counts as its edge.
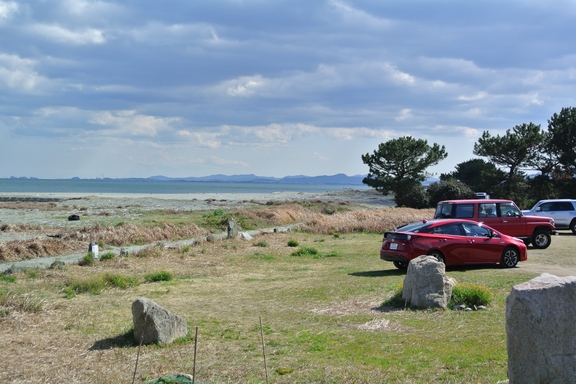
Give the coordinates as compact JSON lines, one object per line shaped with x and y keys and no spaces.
{"x":320,"y":301}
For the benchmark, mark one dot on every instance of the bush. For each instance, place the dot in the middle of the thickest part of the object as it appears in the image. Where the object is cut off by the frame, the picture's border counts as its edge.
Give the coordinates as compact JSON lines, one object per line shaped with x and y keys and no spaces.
{"x":470,"y":295}
{"x":87,"y":260}
{"x":158,"y":276}
{"x":293,"y":243}
{"x":303,"y":251}
{"x":412,"y":195}
{"x":448,"y":190}
{"x":108,"y":256}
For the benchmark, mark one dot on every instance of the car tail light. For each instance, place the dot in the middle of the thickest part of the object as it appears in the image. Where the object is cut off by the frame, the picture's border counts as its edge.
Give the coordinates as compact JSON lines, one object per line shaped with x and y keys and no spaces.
{"x":397,"y":236}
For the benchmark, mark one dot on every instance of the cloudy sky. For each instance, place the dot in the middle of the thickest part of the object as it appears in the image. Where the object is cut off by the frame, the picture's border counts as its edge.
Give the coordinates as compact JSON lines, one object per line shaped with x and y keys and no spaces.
{"x":137,"y":88}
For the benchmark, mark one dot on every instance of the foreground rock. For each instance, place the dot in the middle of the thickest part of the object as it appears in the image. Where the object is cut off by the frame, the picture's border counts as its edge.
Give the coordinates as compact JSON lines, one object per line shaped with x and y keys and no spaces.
{"x":155,"y":324}
{"x":541,"y":337}
{"x":426,"y":284}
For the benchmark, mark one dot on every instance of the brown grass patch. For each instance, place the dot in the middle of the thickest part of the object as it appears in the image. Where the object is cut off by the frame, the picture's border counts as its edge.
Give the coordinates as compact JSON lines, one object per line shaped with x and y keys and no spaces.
{"x":31,"y":249}
{"x":51,"y":206}
{"x":365,"y":220}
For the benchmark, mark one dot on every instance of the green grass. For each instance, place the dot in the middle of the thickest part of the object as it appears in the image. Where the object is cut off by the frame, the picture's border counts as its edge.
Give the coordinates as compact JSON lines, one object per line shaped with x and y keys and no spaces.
{"x":331,"y":315}
{"x":158,"y":276}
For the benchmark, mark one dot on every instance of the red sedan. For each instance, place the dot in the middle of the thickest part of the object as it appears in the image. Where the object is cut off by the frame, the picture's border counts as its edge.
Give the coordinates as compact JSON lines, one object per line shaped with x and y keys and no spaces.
{"x":453,"y":242}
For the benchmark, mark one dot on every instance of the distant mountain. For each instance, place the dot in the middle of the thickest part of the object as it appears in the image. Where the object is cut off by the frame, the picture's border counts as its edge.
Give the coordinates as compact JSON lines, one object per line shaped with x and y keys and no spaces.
{"x":340,"y":179}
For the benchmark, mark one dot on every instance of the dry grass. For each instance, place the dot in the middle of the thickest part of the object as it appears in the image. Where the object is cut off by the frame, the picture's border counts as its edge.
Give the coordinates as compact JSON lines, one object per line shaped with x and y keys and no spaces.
{"x":50,"y":206}
{"x":322,"y":319}
{"x":60,"y":241}
{"x":365,"y":220}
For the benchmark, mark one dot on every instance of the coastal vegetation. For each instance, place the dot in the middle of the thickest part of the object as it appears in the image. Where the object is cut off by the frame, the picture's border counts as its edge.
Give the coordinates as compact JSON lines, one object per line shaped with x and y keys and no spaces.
{"x":331,"y":310}
{"x":526,"y":164}
{"x":325,"y":319}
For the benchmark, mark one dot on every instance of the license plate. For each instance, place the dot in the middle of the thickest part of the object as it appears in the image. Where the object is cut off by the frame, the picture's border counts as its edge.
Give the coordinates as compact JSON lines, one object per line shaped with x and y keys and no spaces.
{"x":394,"y":246}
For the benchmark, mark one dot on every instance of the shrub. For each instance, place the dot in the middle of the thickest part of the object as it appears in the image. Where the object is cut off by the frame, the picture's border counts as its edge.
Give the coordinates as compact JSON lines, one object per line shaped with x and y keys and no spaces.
{"x":95,"y":285}
{"x":293,"y":243}
{"x":470,"y":295}
{"x":119,"y":281}
{"x":303,"y":251}
{"x":158,"y":276}
{"x":108,"y":256}
{"x":448,"y":190}
{"x":87,"y":260}
{"x":261,"y":243}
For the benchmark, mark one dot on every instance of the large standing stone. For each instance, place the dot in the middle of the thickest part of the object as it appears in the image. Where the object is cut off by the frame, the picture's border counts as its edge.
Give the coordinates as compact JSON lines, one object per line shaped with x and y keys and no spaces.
{"x":541,"y":337}
{"x":155,"y":324}
{"x":232,"y":229}
{"x":426,"y":284}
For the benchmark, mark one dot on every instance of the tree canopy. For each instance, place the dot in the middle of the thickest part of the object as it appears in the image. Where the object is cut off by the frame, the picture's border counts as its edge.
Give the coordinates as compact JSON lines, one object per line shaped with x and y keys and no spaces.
{"x":401,"y":162}
{"x":562,"y":140}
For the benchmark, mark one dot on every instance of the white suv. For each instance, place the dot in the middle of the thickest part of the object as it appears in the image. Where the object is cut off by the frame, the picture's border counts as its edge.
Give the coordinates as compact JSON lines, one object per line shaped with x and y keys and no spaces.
{"x":563,"y":211}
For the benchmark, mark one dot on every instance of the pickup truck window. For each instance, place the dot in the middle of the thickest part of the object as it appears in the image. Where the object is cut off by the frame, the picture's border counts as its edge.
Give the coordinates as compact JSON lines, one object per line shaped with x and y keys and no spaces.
{"x":509,"y":210}
{"x":487,"y":210}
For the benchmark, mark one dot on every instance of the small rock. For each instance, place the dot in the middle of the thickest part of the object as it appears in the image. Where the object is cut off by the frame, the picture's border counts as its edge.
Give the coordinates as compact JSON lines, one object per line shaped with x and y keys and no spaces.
{"x":246,"y":236}
{"x":57,"y":264}
{"x":73,"y":218}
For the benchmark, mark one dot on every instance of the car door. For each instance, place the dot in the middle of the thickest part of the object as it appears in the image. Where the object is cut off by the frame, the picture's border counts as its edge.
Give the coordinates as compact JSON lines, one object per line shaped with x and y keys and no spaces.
{"x":512,"y":223}
{"x":483,"y":245}
{"x":563,"y":212}
{"x":452,"y":243}
{"x":488,"y":214}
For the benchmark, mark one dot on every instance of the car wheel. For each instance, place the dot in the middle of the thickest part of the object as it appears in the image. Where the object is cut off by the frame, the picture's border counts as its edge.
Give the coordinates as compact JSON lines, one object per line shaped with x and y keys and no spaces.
{"x":510,"y":257}
{"x":400,"y":264}
{"x":573,"y":226}
{"x":541,"y":239}
{"x":439,"y":256}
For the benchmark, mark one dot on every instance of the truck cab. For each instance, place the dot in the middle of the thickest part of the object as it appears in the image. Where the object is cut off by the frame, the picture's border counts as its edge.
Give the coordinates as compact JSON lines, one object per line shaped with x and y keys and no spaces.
{"x":502,"y":215}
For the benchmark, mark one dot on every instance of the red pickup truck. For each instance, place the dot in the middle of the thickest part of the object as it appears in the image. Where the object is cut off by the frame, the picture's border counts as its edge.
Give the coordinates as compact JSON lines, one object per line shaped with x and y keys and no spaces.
{"x":502,"y":215}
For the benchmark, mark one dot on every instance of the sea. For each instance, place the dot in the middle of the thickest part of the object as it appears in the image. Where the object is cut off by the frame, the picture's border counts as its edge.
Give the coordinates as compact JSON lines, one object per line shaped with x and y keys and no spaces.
{"x":158,"y":187}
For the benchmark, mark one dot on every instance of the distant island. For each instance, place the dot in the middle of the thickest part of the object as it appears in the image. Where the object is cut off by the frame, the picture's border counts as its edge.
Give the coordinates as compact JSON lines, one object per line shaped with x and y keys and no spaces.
{"x":338,"y":179}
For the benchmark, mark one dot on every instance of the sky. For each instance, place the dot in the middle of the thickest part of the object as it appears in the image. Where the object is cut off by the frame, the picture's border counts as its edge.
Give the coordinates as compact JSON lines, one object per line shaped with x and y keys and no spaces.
{"x":179,"y":88}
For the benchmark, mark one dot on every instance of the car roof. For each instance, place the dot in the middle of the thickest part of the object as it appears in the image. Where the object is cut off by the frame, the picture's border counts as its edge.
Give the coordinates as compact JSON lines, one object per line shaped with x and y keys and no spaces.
{"x":470,"y":201}
{"x":442,"y":221}
{"x":553,"y":200}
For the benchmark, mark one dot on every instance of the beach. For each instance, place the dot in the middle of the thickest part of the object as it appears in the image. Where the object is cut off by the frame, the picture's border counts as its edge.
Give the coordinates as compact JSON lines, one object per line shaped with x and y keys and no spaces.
{"x":48,"y":208}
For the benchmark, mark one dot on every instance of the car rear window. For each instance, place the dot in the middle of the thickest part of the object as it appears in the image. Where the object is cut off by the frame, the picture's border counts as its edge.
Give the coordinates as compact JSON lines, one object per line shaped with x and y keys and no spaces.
{"x":414,"y":227}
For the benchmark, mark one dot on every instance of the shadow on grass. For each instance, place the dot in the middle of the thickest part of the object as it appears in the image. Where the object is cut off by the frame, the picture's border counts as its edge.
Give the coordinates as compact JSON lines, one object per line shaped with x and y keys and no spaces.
{"x":121,"y":341}
{"x":387,"y":272}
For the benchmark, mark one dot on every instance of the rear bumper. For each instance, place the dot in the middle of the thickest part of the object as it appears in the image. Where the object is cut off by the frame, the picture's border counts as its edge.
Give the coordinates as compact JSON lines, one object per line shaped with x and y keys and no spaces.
{"x":392,"y":257}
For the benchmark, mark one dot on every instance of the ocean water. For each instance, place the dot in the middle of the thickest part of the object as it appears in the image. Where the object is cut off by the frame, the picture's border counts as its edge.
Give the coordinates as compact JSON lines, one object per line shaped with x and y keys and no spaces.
{"x":157,"y":187}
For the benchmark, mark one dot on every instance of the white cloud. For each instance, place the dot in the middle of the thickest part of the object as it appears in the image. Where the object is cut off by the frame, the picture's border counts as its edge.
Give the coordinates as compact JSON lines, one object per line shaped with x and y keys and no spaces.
{"x":191,"y":33}
{"x":475,"y":97}
{"x":357,"y":17}
{"x":18,"y":73}
{"x":7,"y":9}
{"x":219,"y":161}
{"x":406,"y":113}
{"x":202,"y":139}
{"x":65,"y":36}
{"x":128,"y":122}
{"x":245,"y":86}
